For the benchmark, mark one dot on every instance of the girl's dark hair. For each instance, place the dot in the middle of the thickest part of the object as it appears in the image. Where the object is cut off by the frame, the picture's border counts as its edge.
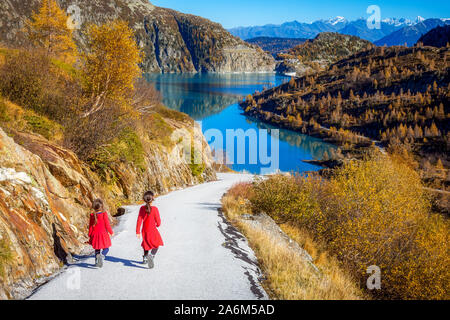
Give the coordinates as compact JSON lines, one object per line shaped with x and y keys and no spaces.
{"x":97,"y":205}
{"x":149,"y":196}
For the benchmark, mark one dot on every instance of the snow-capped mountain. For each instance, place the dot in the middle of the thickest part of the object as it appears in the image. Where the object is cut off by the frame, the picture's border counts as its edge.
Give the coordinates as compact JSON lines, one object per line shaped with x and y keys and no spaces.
{"x":402,"y":22}
{"x":337,"y":20}
{"x":420,"y":19}
{"x":339,"y":24}
{"x":412,"y":33}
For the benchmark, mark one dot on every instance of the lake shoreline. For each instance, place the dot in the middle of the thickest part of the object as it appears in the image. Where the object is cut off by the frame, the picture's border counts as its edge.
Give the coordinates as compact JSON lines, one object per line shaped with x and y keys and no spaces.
{"x":213,"y":101}
{"x":356,"y":152}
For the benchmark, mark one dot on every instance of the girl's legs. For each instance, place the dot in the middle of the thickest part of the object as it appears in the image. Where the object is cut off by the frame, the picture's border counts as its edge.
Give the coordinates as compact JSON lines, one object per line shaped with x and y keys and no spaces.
{"x":153,"y":252}
{"x":149,"y":260}
{"x":151,"y":264}
{"x":145,"y":257}
{"x":105,"y":252}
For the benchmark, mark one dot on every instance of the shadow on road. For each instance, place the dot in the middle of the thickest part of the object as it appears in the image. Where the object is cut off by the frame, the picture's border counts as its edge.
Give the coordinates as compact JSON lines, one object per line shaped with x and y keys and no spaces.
{"x":125,"y":262}
{"x":209,"y":206}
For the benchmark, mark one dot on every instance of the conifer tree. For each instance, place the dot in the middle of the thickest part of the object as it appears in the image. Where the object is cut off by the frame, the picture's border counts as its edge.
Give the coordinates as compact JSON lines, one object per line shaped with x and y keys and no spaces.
{"x":48,"y":29}
{"x":439,"y":165}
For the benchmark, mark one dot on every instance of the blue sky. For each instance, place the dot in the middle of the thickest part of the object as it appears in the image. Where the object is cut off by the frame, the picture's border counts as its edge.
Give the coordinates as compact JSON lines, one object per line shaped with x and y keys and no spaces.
{"x":233,"y":13}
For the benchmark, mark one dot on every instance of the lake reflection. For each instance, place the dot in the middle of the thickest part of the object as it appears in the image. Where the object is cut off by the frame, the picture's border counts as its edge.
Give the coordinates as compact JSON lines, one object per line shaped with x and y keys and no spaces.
{"x":202,"y":95}
{"x":211,"y":99}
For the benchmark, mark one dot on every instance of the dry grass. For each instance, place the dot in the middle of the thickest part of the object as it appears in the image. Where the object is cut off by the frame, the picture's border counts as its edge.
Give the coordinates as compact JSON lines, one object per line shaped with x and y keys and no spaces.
{"x":288,"y":275}
{"x":369,"y":213}
{"x":344,"y":283}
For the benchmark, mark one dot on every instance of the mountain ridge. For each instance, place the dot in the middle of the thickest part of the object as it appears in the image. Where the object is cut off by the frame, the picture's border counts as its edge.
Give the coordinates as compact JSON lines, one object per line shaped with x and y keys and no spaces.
{"x":396,"y":97}
{"x":411,"y":34}
{"x":358,"y":27}
{"x":438,"y":37}
{"x":173,"y":42}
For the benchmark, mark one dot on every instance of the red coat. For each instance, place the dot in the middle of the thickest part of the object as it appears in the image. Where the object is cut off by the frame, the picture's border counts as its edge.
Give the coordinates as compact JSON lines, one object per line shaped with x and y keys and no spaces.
{"x":151,"y":239}
{"x":99,"y":233}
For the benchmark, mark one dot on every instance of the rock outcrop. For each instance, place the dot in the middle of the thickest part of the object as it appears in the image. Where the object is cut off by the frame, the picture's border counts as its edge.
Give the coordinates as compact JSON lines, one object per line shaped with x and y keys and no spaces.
{"x":172,"y":41}
{"x":43,"y":216}
{"x":268,"y":226}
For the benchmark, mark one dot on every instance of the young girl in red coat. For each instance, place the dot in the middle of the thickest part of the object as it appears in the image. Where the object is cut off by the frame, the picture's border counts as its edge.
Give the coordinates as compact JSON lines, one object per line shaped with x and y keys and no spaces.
{"x":99,"y":231}
{"x":148,"y":222}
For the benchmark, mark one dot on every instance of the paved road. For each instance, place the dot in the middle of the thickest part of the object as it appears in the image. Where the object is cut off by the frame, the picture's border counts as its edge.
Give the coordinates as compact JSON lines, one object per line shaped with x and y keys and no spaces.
{"x":203,"y":257}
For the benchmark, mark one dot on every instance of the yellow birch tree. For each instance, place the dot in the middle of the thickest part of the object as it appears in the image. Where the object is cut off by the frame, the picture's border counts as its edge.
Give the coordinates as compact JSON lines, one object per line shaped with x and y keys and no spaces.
{"x":110,"y":65}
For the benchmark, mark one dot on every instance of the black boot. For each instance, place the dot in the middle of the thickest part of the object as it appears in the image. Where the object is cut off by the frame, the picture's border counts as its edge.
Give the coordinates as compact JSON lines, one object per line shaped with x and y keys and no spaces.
{"x":151,"y":264}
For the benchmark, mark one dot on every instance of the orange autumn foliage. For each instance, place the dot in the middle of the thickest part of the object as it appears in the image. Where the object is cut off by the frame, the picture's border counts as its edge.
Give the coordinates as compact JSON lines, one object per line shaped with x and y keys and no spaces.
{"x":110,"y":65}
{"x":371,"y":212}
{"x":48,"y":30}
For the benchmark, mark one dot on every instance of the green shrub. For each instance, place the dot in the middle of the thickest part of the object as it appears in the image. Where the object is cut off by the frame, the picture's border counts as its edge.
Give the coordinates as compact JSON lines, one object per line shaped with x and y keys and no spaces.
{"x":197,"y":169}
{"x":67,"y":68}
{"x":16,"y":118}
{"x":41,"y":125}
{"x":4,"y":117}
{"x":125,"y":148}
{"x":5,"y":254}
{"x":159,"y":130}
{"x":128,"y":148}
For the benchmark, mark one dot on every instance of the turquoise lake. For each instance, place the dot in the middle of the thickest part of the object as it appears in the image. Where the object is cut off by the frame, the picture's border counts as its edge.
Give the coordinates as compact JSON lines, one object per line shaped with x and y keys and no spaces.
{"x":212,"y":100}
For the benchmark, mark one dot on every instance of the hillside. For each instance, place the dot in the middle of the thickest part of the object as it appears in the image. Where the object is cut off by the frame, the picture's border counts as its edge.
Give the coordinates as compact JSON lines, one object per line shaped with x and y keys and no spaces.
{"x":276,"y":45}
{"x":318,"y":53}
{"x":54,"y":162}
{"x":172,"y":41}
{"x":438,"y":37}
{"x":399,"y":96}
{"x":411,"y":34}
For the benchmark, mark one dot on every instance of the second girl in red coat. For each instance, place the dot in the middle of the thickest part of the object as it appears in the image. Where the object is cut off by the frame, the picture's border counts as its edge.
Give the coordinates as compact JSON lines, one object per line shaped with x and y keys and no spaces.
{"x":148,"y":222}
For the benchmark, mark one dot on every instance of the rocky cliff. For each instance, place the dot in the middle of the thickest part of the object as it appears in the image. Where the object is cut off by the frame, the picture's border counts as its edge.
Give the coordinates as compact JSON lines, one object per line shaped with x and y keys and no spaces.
{"x":46,"y":193}
{"x":172,"y":41}
{"x":43,"y":214}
